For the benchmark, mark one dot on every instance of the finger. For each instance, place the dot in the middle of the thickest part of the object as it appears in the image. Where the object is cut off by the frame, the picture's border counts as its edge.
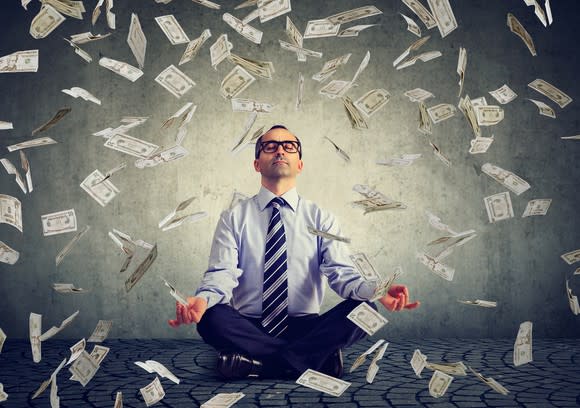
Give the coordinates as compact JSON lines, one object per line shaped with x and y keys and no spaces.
{"x":400,"y":302}
{"x":406,"y":291}
{"x":413,"y":305}
{"x":173,"y":323}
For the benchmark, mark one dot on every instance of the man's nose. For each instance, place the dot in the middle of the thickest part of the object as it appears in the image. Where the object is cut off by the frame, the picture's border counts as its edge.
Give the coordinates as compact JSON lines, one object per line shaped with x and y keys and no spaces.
{"x":280,"y":149}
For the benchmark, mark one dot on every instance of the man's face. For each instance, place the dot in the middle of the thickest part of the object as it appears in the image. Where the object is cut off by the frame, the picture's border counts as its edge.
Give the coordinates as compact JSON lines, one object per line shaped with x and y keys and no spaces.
{"x":280,"y":163}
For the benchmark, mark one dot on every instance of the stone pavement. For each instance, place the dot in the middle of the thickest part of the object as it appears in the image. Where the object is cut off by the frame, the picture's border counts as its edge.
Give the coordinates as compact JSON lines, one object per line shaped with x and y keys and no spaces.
{"x":551,"y":380}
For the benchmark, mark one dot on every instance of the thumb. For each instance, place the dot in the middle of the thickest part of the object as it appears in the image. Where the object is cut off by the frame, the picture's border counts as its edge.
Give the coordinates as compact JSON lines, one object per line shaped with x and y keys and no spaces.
{"x":173,"y":323}
{"x":413,"y":305}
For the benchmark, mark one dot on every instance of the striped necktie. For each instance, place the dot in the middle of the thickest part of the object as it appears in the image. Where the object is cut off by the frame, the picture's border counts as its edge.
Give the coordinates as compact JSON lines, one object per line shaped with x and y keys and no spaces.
{"x":275,"y":290}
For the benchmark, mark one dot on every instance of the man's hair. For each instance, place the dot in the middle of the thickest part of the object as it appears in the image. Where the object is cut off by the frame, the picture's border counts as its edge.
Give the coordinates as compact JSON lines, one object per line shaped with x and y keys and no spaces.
{"x":257,"y":149}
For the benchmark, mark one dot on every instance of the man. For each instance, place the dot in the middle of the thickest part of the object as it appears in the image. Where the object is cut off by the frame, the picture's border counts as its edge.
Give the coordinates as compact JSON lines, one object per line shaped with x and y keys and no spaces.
{"x":259,"y":301}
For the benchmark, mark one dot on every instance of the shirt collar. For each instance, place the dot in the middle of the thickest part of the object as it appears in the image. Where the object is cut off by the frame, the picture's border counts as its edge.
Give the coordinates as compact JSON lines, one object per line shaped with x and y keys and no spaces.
{"x":265,"y":196}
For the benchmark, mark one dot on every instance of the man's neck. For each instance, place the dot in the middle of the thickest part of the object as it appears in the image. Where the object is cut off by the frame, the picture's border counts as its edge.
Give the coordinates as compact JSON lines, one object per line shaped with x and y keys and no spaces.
{"x":279,"y":186}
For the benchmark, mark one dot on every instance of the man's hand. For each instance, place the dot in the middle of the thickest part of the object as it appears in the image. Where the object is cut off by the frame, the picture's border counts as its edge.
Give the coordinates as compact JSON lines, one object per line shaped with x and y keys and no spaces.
{"x":191,"y":313}
{"x":397,"y":298}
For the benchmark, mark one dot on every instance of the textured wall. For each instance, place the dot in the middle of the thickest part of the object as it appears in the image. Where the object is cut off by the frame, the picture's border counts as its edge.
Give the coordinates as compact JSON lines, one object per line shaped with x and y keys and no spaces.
{"x":515,"y":262}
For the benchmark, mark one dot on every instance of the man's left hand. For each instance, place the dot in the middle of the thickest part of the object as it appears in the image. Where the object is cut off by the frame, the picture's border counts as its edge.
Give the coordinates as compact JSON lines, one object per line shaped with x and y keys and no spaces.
{"x":397,"y":298}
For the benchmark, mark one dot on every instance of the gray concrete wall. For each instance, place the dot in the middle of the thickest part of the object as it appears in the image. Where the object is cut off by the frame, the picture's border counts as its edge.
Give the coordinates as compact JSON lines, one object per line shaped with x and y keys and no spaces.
{"x":515,"y":262}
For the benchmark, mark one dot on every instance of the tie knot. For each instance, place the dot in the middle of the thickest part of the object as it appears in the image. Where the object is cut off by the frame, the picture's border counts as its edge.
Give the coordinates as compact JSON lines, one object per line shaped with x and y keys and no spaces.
{"x":277,"y":202}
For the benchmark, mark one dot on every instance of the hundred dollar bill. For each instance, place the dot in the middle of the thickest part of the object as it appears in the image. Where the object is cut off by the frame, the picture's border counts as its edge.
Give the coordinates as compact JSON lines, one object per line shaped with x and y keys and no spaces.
{"x":223,"y":400}
{"x":364,"y":266}
{"x":461,"y":65}
{"x":441,"y":112}
{"x":468,"y":110}
{"x":272,"y":9}
{"x":141,"y":269}
{"x":480,"y":303}
{"x":438,"y":268}
{"x":34,"y":331}
{"x":19,"y":61}
{"x":11,"y":211}
{"x":235,"y":82}
{"x":67,"y":288}
{"x":327,"y":235}
{"x":59,"y":222}
{"x":456,"y":369}
{"x":551,"y":92}
{"x":101,"y":190}
{"x":421,"y":12}
{"x":76,"y":350}
{"x":523,"y":344}
{"x":208,"y":4}
{"x":172,"y":29}
{"x":175,"y":81}
{"x":499,"y":207}
{"x":367,"y":318}
{"x":443,"y":14}
{"x":491,"y":382}
{"x":401,"y":160}
{"x":437,"y":152}
{"x":300,"y":92}
{"x":68,"y":247}
{"x":571,"y":257}
{"x":86,"y":37}
{"x":504,"y":94}
{"x":343,"y":155}
{"x":319,"y":29}
{"x":263,"y":69}
{"x":537,"y":207}
{"x":62,"y":112}
{"x":121,"y":68}
{"x":354,"y":114}
{"x":250,"y":105}
{"x":372,"y":101}
{"x":11,"y":169}
{"x":412,"y":26}
{"x":45,"y":22}
{"x":84,"y":368}
{"x":245,"y":30}
{"x":153,"y":392}
{"x":164,"y":156}
{"x":477,"y":102}
{"x":101,"y":331}
{"x":323,"y":383}
{"x":439,"y":383}
{"x":425,"y":125}
{"x":77,"y":92}
{"x":194,"y":46}
{"x":489,"y":115}
{"x":8,"y":255}
{"x":136,"y":40}
{"x":418,"y":362}
{"x":508,"y":179}
{"x":572,"y":299}
{"x":220,"y":50}
{"x":361,"y":359}
{"x":518,"y":29}
{"x":544,"y":109}
{"x":131,"y":145}
{"x":354,"y":14}
{"x":425,"y":57}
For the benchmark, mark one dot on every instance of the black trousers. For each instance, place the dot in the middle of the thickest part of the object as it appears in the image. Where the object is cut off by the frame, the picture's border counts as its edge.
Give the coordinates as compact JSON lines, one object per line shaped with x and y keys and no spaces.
{"x":306,"y":343}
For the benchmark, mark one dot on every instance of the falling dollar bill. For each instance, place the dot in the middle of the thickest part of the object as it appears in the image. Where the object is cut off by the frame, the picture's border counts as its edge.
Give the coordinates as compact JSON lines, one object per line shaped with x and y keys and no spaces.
{"x":320,"y":28}
{"x":438,"y":268}
{"x":412,"y":26}
{"x":508,"y":179}
{"x":19,"y":61}
{"x":141,"y":269}
{"x":84,"y":368}
{"x":323,"y":383}
{"x":503,"y":94}
{"x":59,"y":222}
{"x":67,"y":288}
{"x":499,"y":207}
{"x":194,"y":46}
{"x":175,"y":81}
{"x":327,"y":235}
{"x":220,"y":50}
{"x":272,"y":9}
{"x":439,"y":384}
{"x":361,"y":359}
{"x":101,"y":190}
{"x":8,"y":255}
{"x":420,"y":11}
{"x":478,"y":302}
{"x":153,"y":392}
{"x":235,"y":82}
{"x":172,"y":29}
{"x":523,"y":344}
{"x":480,"y":144}
{"x":45,"y":22}
{"x":418,"y":362}
{"x":78,"y":92}
{"x":491,"y":382}
{"x":518,"y":29}
{"x":245,"y":30}
{"x":153,"y":366}
{"x":551,"y":92}
{"x":341,"y":153}
{"x":223,"y":400}
{"x":571,"y":257}
{"x":101,"y":331}
{"x":367,"y":318}
{"x":208,"y":4}
{"x":61,"y":113}
{"x":443,"y":14}
{"x":441,"y":112}
{"x":137,"y":40}
{"x":544,"y":109}
{"x":121,"y":68}
{"x":354,"y":14}
{"x":372,"y":101}
{"x":572,"y":299}
{"x":35,"y":331}
{"x":11,"y":211}
{"x":536,"y":207}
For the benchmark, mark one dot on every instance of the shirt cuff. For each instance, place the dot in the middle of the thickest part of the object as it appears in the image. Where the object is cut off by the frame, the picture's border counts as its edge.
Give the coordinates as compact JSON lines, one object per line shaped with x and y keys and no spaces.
{"x":211,"y":298}
{"x":366,"y":290}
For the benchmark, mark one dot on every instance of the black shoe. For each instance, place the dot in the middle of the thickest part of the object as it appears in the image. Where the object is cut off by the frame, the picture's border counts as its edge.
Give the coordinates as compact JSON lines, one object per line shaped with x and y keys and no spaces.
{"x":233,"y":366}
{"x":334,"y":365}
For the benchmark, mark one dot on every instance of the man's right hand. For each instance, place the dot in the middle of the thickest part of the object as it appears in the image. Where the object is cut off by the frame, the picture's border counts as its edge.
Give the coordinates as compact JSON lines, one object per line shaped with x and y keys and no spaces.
{"x":192,"y":313}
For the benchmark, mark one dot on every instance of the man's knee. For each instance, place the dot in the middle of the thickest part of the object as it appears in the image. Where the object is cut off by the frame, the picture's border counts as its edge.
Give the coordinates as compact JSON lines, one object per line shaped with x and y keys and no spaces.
{"x":212,"y":320}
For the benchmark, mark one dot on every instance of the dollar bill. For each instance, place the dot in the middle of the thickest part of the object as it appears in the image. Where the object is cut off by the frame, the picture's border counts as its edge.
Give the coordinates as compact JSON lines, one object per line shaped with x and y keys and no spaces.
{"x":436,"y":223}
{"x":111,"y":18}
{"x":84,"y":368}
{"x":76,"y":350}
{"x":499,"y":207}
{"x":96,"y":12}
{"x":295,"y":37}
{"x":174,"y":221}
{"x":443,"y":15}
{"x":3,"y":394}
{"x":481,"y":101}
{"x":412,"y":26}
{"x":354,"y":114}
{"x":439,"y":383}
{"x":373,"y":366}
{"x":491,"y":382}
{"x":25,"y":164}
{"x":83,"y":38}
{"x":425,"y":125}
{"x":506,"y":178}
{"x":548,"y":11}
{"x":220,"y":50}
{"x":425,"y":57}
{"x":235,"y":82}
{"x":11,"y":211}
{"x":246,"y":3}
{"x":538,"y":11}
{"x":250,"y":105}
{"x":319,"y":29}
{"x":551,"y":92}
{"x":478,"y":302}
{"x":330,"y":67}
{"x":79,"y":51}
{"x":254,"y":14}
{"x":59,"y":222}
{"x":119,"y":400}
{"x":77,"y":92}
{"x":208,"y":4}
{"x":137,"y":40}
{"x":544,"y":109}
{"x":223,"y":400}
{"x":454,"y":369}
{"x":461,"y":65}
{"x":374,"y":200}
{"x":420,"y":11}
{"x":8,"y":255}
{"x":99,"y":353}
{"x":172,"y":29}
{"x":153,"y":392}
{"x":503,"y":94}
{"x":153,"y":366}
{"x":367,"y":318}
{"x":101,"y":190}
{"x":323,"y":383}
{"x":489,"y":115}
{"x":101,"y":331}
{"x":327,"y":235}
{"x":114,"y":170}
{"x":67,"y":288}
{"x":61,"y":113}
{"x":243,"y":139}
{"x":335,"y":89}
{"x":439,"y":154}
{"x":175,"y":293}
{"x":121,"y":68}
{"x":45,"y":22}
{"x":73,"y":9}
{"x":361,"y":359}
{"x":164,"y":156}
{"x":418,"y":362}
{"x":131,"y":145}
{"x":2,"y":339}
{"x":272,"y":9}
{"x":518,"y":29}
{"x":571,"y":257}
{"x":11,"y":169}
{"x":372,"y":101}
{"x":34,"y":333}
{"x":141,"y":269}
{"x":299,"y":92}
{"x":523,"y":345}
{"x":245,"y":30}
{"x":175,"y":81}
{"x":364,"y":266}
{"x":55,"y":330}
{"x":441,"y":112}
{"x":537,"y":207}
{"x":401,"y":160}
{"x":25,"y":4}
{"x":354,"y":14}
{"x":447,"y":244}
{"x":46,"y":383}
{"x":194,"y":46}
{"x":6,"y":125}
{"x":341,"y":153}
{"x":263,"y":69}
{"x":438,"y":268}
{"x":19,"y":61}
{"x":299,"y":50}
{"x":572,"y":299}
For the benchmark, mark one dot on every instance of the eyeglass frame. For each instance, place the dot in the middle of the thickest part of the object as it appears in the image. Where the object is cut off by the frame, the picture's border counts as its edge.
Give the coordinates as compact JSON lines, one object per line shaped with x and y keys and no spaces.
{"x":259,"y":143}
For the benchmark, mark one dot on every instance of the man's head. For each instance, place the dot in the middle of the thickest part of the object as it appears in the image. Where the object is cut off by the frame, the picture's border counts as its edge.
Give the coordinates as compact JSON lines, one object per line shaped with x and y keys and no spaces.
{"x":278,"y":154}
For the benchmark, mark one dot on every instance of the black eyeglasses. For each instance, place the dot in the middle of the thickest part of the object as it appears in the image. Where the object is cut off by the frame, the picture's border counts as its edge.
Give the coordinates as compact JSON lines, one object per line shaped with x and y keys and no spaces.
{"x":289,"y":146}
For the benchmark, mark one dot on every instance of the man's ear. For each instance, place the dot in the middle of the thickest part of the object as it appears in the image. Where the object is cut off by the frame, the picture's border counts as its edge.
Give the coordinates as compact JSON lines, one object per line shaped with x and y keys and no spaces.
{"x":257,"y":165}
{"x":300,"y":165}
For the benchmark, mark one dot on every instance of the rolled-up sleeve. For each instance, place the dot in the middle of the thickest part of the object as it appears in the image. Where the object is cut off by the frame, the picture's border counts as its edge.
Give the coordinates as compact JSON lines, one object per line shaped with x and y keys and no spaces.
{"x":223,"y":272}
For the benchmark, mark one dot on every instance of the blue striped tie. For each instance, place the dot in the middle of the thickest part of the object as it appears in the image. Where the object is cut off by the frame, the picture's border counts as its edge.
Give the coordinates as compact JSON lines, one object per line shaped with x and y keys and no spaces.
{"x":275,"y":293}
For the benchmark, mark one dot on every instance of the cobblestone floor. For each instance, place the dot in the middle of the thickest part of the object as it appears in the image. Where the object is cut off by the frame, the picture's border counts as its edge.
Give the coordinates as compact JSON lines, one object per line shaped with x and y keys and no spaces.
{"x":551,"y":380}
